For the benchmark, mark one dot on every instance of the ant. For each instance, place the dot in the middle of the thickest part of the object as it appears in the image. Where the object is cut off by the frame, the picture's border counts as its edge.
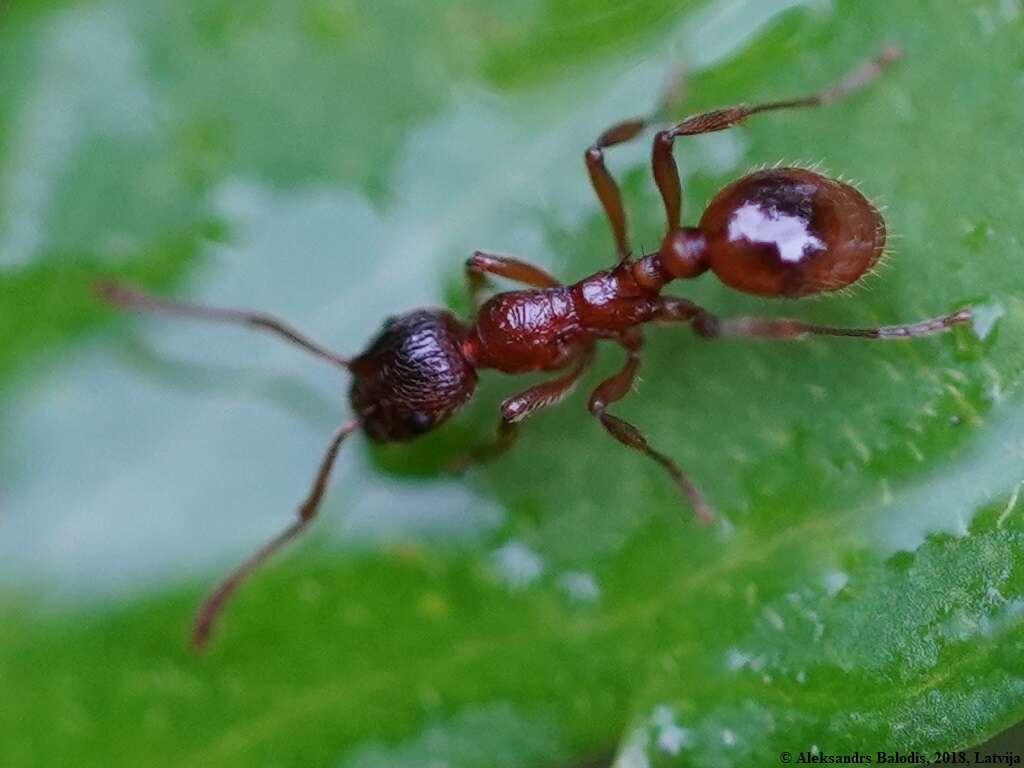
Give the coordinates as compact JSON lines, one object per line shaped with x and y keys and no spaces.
{"x":786,"y":231}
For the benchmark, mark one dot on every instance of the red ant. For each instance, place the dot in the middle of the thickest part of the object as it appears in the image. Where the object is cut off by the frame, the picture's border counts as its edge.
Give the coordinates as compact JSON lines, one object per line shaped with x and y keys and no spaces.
{"x":787,"y":232}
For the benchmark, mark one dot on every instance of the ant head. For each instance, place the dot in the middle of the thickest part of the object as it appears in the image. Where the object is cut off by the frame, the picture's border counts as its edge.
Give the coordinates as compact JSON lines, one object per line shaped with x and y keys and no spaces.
{"x":413,"y":376}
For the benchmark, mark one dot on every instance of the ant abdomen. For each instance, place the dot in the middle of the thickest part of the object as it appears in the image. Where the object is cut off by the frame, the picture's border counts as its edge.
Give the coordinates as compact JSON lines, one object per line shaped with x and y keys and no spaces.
{"x":791,"y":232}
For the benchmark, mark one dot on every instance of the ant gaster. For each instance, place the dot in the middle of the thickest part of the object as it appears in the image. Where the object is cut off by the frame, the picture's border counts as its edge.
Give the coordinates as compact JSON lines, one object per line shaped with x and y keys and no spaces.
{"x":787,"y":232}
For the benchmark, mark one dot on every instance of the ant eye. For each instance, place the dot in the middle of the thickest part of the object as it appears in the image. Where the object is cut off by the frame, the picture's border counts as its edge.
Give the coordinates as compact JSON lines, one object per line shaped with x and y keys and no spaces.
{"x":420,"y":422}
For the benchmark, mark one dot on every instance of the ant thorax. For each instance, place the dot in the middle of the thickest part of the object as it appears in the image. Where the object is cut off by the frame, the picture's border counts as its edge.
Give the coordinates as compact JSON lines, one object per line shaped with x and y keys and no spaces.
{"x":521,"y":331}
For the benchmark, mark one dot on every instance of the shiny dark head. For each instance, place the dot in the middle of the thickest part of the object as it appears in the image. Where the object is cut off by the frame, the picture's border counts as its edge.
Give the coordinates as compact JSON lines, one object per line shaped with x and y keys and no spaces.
{"x":413,"y":376}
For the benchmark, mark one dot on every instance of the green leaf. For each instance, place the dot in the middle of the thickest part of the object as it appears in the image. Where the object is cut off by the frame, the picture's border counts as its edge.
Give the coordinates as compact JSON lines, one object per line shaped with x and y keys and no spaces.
{"x":334,"y":162}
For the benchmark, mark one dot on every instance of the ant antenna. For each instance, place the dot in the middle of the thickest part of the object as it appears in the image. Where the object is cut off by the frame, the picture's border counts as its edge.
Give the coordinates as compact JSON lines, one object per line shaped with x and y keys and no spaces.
{"x":127,"y":297}
{"x":213,"y":606}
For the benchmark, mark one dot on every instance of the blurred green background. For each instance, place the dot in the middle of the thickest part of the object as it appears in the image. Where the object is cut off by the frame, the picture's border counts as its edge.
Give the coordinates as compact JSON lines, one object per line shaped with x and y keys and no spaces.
{"x":335,"y":162}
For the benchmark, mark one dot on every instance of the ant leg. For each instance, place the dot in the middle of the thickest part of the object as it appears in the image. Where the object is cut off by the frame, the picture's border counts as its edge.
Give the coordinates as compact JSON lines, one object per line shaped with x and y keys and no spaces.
{"x":518,"y":407}
{"x":213,"y":606}
{"x":130,"y":298}
{"x":612,"y":390}
{"x":481,"y":264}
{"x":663,"y":164}
{"x":711,"y":327}
{"x":604,"y":185}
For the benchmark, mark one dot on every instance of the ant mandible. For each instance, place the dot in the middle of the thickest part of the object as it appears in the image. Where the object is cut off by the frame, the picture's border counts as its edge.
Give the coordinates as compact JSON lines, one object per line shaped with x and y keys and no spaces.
{"x":786,"y":232}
